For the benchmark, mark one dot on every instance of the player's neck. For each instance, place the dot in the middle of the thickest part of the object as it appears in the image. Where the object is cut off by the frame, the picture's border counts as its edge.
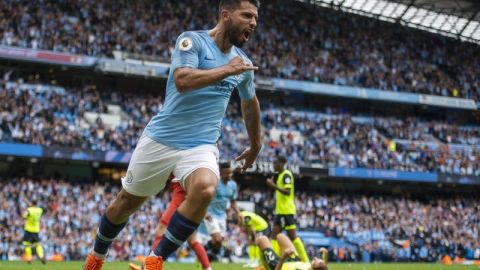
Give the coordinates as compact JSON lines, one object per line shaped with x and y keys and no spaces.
{"x":219,"y":35}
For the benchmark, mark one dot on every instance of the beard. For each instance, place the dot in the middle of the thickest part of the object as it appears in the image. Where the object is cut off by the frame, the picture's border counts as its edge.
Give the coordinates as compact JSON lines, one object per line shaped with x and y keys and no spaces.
{"x":235,"y":35}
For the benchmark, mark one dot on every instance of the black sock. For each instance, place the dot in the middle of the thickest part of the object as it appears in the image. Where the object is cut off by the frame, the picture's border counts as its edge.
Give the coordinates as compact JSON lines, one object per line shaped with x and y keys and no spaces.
{"x":107,"y":231}
{"x":178,"y":230}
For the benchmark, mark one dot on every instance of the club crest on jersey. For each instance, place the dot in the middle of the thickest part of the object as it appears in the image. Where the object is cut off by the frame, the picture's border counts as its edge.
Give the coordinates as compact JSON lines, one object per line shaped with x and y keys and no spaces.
{"x":186,"y":44}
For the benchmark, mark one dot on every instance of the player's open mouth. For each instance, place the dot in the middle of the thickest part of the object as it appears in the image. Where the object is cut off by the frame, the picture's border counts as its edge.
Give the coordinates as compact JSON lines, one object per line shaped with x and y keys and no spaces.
{"x":246,"y":35}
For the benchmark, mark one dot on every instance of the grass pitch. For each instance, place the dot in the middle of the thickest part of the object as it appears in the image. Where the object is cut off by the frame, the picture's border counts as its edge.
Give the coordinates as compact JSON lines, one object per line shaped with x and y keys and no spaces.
{"x":36,"y":265}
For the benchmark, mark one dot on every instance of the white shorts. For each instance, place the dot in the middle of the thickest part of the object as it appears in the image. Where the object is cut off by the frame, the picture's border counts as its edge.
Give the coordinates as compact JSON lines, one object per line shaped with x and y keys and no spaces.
{"x":216,"y":225}
{"x":152,"y":163}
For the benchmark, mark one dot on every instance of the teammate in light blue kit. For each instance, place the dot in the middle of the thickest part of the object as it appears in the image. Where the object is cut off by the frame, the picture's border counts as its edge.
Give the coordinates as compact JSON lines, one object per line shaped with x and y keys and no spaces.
{"x":216,"y":219}
{"x":207,"y":66}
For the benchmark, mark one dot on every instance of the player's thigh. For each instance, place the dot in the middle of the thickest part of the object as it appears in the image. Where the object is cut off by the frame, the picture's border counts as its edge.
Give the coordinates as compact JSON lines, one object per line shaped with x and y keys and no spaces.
{"x":201,"y":157}
{"x":149,"y":167}
{"x":290,"y":224}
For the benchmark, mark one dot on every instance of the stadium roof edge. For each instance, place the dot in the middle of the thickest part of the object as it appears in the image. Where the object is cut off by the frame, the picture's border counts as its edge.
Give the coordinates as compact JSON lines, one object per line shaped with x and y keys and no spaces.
{"x":457,"y":19}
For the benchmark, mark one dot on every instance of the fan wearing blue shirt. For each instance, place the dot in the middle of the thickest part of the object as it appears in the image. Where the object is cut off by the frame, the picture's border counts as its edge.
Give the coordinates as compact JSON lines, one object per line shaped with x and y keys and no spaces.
{"x":207,"y":66}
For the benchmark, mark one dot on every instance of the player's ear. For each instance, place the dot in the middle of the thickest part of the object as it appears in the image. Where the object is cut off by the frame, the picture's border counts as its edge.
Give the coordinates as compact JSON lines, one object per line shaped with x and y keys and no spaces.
{"x":225,"y":15}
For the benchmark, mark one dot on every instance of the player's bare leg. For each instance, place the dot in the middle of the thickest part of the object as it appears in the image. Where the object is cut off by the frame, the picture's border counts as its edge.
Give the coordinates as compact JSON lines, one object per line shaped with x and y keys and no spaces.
{"x":200,"y":187}
{"x":297,"y":242}
{"x":267,"y":253}
{"x":253,"y":251}
{"x":112,"y":222}
{"x":263,"y":242}
{"x":285,"y":243}
{"x":275,"y":231}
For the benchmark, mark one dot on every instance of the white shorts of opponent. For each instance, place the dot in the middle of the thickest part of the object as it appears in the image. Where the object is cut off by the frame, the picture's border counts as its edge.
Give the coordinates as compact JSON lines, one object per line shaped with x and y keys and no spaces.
{"x":152,"y":163}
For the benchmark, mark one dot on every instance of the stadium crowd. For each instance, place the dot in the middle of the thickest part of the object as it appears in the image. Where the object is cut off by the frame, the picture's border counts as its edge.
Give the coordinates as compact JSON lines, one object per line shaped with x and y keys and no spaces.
{"x":323,"y":45}
{"x":437,"y":226}
{"x":389,"y":228}
{"x":57,"y":118}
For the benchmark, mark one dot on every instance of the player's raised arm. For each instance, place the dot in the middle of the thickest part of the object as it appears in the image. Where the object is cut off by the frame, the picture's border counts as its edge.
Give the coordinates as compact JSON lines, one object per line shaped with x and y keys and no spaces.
{"x":189,"y":78}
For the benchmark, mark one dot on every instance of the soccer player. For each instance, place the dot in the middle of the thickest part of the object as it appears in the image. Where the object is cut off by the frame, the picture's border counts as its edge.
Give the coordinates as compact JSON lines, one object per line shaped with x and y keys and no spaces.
{"x":32,"y":227}
{"x":287,"y":258}
{"x":254,"y":226}
{"x":216,"y":219}
{"x":285,"y":208}
{"x":178,"y":196}
{"x":207,"y":66}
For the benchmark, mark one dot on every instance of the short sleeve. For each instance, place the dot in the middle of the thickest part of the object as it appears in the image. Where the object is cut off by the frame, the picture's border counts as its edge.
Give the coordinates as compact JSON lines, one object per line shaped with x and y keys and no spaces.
{"x":187,"y":51}
{"x":287,"y":181}
{"x":246,"y":88}
{"x":247,"y":220}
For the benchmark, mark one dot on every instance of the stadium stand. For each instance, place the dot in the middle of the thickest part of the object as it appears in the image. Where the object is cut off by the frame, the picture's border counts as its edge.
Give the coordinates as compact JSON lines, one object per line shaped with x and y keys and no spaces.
{"x":306,"y":137}
{"x":365,"y":227}
{"x":322,"y":45}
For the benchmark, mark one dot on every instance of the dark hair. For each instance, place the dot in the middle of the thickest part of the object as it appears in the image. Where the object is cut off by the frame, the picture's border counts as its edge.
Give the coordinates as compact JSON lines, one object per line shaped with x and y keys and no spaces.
{"x":225,"y":165}
{"x":321,"y":267}
{"x":235,"y":3}
{"x":282,"y":159}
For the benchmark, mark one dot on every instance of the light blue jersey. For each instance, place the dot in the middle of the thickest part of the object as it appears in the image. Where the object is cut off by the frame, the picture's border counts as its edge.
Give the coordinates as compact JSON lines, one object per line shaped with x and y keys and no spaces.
{"x":194,"y":117}
{"x":225,"y":194}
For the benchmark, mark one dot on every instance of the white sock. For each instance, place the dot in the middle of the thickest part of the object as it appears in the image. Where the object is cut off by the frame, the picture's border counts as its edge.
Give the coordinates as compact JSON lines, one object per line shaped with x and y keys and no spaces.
{"x":98,"y":255}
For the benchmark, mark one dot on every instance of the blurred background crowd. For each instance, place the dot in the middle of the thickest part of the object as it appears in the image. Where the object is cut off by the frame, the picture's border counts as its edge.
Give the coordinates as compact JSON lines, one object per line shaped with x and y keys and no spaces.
{"x":362,"y":227}
{"x":321,"y":45}
{"x":330,"y":137}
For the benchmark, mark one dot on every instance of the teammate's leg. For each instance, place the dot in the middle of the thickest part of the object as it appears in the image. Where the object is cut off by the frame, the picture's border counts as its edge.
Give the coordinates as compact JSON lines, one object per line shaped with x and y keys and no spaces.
{"x":277,"y":229}
{"x":214,"y":229}
{"x":270,"y":258}
{"x":297,"y":242}
{"x":285,"y":243}
{"x":253,"y":250}
{"x":40,"y":253}
{"x":200,"y":251}
{"x":28,"y":251}
{"x":200,"y":187}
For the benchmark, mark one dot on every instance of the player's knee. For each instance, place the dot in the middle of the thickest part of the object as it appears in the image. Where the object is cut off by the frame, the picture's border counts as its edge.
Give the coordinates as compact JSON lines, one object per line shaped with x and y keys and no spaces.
{"x":282,"y":238}
{"x":205,"y":189}
{"x":262,"y":241}
{"x":217,"y":240}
